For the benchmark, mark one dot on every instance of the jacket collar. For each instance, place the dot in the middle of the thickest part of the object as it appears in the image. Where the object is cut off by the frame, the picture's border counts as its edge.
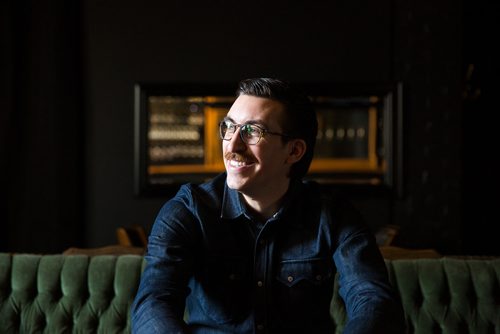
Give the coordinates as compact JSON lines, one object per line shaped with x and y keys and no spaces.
{"x":234,"y":207}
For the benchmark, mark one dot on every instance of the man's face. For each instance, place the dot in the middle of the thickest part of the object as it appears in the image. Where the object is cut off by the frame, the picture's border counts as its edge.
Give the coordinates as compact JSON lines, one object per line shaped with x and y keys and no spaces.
{"x":256,"y":170}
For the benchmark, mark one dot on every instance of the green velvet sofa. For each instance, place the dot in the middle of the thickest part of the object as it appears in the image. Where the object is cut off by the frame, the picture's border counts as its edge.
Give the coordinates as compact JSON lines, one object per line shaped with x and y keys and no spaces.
{"x":93,"y":294}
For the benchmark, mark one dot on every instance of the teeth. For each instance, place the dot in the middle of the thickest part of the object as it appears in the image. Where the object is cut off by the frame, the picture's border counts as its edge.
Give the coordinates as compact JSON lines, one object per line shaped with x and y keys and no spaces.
{"x":234,"y":163}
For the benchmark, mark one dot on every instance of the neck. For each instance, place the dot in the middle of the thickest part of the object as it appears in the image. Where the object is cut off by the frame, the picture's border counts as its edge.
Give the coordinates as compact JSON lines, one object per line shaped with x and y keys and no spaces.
{"x":266,"y":205}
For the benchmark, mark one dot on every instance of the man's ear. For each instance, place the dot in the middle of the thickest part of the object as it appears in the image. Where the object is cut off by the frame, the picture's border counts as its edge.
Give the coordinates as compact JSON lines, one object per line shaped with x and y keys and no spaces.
{"x":296,"y":150}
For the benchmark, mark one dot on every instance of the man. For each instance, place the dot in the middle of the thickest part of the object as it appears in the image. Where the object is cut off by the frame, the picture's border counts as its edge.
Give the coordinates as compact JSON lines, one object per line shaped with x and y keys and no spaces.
{"x":256,"y":249}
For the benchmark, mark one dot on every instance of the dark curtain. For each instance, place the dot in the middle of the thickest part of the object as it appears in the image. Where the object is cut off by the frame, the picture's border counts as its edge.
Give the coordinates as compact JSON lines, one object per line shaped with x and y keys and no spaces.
{"x":40,"y":126}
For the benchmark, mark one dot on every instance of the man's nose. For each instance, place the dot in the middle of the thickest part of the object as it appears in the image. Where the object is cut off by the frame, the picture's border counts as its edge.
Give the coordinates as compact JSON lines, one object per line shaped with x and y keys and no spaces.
{"x":236,"y":144}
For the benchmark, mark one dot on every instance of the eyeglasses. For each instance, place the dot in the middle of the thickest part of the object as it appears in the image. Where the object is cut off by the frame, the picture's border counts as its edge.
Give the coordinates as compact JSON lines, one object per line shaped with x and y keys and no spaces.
{"x":249,"y":133}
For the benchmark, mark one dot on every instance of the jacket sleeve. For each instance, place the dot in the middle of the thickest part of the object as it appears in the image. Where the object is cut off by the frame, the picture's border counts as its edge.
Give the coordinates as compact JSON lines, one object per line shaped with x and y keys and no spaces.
{"x":372,"y":304}
{"x":160,"y":301}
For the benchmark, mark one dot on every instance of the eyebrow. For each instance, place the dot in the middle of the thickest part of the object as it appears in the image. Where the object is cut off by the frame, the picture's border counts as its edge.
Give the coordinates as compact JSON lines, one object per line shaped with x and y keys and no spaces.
{"x":253,"y":122}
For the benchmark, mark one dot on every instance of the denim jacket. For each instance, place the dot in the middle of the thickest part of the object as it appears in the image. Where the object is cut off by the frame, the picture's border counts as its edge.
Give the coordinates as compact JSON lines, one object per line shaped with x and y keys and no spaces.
{"x":231,"y":273}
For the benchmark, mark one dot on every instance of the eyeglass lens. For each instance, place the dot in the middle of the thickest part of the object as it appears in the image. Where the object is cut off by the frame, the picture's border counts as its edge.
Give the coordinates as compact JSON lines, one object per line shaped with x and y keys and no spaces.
{"x":249,"y":133}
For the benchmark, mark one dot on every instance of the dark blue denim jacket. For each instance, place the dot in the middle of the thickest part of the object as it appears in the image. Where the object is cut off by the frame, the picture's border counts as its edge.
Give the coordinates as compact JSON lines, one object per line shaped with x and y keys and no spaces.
{"x":207,"y":255}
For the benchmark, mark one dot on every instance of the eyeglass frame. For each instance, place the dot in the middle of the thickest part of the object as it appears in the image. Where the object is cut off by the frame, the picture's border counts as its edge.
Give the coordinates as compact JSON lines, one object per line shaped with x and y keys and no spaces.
{"x":263,"y":131}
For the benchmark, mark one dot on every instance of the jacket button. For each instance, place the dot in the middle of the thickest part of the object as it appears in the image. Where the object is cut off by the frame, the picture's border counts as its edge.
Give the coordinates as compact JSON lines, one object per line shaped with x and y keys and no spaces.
{"x":290,"y":279}
{"x":260,"y":284}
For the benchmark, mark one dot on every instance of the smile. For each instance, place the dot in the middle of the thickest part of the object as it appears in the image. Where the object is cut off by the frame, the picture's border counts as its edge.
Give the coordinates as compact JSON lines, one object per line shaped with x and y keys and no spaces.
{"x":238,"y":163}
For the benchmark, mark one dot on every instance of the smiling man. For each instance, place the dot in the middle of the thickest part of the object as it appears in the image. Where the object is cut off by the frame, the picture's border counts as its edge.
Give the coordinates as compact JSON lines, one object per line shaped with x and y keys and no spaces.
{"x":256,"y":249}
{"x":259,"y":172}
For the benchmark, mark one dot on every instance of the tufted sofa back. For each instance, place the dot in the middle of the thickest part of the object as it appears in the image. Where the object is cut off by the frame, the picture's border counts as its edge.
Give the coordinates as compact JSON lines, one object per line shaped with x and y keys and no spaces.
{"x":67,"y":294}
{"x":449,"y":295}
{"x":446,"y":295}
{"x":82,"y":294}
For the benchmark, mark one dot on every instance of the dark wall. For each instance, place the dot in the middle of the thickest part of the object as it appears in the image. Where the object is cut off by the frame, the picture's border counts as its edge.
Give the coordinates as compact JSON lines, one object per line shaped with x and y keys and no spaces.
{"x":123,"y":42}
{"x":480,"y":140}
{"x":40,"y":133}
{"x":176,"y":41}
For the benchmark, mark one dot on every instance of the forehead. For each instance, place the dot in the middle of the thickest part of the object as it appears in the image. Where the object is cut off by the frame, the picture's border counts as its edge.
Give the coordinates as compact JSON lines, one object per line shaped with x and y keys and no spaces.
{"x":261,"y":110}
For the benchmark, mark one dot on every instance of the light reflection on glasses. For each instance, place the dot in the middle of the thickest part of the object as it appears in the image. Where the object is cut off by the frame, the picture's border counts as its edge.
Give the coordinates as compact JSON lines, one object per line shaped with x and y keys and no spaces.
{"x":249,"y":133}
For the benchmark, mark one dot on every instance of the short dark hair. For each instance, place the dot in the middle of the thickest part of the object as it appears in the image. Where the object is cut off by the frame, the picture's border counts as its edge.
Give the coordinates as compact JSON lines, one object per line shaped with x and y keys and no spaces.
{"x":300,"y":120}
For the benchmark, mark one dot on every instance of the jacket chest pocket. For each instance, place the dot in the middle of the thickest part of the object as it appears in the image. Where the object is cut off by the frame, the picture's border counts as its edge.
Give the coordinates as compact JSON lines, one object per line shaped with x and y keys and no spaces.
{"x":223,"y":287}
{"x":304,"y":271}
{"x":304,"y":285}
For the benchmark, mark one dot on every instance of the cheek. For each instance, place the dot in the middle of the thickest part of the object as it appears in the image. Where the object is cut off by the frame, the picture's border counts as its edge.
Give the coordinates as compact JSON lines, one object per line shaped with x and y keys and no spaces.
{"x":273,"y":158}
{"x":225,"y":145}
